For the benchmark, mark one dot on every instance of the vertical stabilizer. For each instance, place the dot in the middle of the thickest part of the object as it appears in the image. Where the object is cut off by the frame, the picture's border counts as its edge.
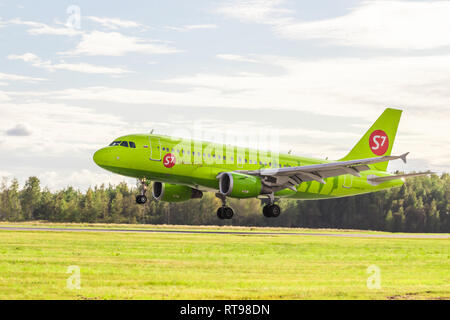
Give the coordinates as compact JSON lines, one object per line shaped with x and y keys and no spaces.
{"x":378,"y":140}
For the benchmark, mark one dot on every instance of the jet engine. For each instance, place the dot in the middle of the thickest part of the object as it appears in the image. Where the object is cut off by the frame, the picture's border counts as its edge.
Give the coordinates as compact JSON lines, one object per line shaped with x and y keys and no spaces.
{"x":174,"y":192}
{"x":238,"y":185}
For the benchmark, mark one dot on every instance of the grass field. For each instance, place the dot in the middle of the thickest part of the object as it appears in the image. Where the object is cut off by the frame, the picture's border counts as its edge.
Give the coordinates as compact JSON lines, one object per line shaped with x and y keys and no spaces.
{"x":34,"y":265}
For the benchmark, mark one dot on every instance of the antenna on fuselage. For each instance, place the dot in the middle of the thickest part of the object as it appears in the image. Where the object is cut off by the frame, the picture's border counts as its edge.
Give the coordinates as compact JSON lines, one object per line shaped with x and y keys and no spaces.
{"x":151,"y":131}
{"x":289,"y":152}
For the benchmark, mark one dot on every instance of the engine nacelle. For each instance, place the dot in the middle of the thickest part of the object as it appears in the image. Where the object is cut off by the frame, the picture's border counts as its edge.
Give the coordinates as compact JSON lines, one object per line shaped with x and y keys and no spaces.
{"x":174,"y":192}
{"x":238,"y":185}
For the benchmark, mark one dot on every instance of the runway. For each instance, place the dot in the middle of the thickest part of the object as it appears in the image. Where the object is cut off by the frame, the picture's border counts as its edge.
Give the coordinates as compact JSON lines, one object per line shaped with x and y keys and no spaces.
{"x":246,"y":233}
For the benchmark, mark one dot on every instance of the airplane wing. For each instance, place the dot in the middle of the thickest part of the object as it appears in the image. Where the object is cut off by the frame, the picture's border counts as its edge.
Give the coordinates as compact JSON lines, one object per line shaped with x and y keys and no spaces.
{"x":375,"y":180}
{"x":289,"y":177}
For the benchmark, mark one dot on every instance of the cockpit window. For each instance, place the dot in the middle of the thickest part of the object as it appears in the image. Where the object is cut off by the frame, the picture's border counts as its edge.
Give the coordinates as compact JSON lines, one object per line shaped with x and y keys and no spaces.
{"x":125,"y":144}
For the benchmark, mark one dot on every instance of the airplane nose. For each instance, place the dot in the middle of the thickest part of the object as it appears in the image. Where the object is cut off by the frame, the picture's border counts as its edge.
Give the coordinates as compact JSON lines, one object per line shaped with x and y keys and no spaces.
{"x":99,"y":157}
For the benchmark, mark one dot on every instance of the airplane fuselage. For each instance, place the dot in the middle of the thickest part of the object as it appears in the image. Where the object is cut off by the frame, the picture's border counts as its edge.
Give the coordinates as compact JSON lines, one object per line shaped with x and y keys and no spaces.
{"x":197,"y":164}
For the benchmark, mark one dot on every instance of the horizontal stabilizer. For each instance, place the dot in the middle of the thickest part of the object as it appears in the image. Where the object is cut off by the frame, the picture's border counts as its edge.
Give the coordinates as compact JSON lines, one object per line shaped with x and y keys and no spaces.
{"x":375,"y":180}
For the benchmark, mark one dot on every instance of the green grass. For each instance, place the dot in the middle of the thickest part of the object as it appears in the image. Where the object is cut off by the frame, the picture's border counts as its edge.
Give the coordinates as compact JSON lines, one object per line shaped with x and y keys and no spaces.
{"x":33,"y":265}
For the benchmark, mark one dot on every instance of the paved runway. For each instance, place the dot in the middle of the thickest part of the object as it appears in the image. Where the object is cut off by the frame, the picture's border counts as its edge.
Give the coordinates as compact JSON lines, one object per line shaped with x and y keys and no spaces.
{"x":317,"y":234}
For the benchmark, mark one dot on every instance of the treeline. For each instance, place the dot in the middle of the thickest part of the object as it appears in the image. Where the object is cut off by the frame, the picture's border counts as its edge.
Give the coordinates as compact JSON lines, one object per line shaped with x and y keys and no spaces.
{"x":421,"y":205}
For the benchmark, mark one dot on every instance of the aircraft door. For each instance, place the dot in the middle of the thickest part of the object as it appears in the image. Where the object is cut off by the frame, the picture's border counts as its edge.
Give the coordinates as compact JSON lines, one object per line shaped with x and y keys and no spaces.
{"x":348,"y":181}
{"x":155,"y":148}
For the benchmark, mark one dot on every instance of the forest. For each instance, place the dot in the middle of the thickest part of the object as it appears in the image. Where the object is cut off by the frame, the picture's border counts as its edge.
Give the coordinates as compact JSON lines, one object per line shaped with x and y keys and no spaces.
{"x":421,"y":205}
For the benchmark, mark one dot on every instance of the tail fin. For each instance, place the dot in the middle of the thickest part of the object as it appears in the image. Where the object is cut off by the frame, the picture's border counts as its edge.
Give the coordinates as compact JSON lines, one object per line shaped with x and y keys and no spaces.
{"x":378,"y":140}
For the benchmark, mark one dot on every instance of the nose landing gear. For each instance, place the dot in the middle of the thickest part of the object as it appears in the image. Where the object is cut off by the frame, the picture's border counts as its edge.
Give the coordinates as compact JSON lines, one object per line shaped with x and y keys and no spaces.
{"x":141,"y":198}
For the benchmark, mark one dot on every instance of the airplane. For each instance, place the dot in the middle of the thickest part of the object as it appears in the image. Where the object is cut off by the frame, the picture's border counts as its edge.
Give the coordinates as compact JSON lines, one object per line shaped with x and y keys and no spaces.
{"x":183,"y":169}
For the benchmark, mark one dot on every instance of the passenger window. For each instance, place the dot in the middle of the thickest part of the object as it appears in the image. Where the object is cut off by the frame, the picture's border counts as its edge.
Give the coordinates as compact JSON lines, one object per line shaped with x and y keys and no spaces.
{"x":132,"y":144}
{"x":124,"y":144}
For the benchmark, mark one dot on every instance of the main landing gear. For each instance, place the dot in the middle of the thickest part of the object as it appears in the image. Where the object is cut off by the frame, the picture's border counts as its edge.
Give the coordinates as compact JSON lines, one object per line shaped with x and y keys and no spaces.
{"x":141,"y":198}
{"x":271,"y":210}
{"x":224,"y":212}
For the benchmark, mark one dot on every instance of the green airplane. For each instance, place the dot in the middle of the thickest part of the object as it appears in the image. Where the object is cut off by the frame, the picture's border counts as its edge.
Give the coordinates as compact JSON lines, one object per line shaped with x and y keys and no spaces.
{"x":183,"y":169}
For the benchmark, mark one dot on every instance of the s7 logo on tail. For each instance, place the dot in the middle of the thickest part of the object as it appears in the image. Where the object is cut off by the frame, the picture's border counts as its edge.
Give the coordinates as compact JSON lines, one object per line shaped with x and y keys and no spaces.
{"x":379,"y":142}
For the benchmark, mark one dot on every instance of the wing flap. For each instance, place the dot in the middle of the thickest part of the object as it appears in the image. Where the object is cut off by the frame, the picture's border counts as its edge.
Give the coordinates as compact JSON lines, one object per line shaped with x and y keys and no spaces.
{"x":376,"y":180}
{"x":342,"y":167}
{"x":289,"y":176}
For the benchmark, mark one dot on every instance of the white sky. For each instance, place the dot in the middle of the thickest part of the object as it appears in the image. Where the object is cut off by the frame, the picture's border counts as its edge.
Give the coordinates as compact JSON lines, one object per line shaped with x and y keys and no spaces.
{"x":317,"y":72}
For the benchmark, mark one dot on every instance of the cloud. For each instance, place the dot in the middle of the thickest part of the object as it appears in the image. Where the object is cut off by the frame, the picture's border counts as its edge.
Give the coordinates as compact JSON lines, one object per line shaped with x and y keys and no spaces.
{"x":99,"y":43}
{"x":342,"y":87}
{"x":58,"y":128}
{"x":77,"y":67}
{"x":15,"y":77}
{"x":256,"y":11}
{"x":115,"y":23}
{"x":19,"y":130}
{"x":193,"y":27}
{"x":83,"y":179}
{"x":38,"y":28}
{"x":381,"y":24}
{"x":236,"y":57}
{"x":4,"y":174}
{"x":61,"y":145}
{"x":401,"y":25}
{"x":4,"y":96}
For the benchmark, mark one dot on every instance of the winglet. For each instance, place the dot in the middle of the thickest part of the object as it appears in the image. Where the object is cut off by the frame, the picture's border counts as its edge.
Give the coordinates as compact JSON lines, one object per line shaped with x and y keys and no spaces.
{"x":403,"y":157}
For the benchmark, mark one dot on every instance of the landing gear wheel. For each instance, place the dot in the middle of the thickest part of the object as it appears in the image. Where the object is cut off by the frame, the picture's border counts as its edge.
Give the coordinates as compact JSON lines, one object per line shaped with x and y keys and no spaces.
{"x":225,"y":213}
{"x":229,"y":213}
{"x":271,"y":211}
{"x":275,"y":210}
{"x":221,"y":213}
{"x":266,"y":212}
{"x":141,"y":199}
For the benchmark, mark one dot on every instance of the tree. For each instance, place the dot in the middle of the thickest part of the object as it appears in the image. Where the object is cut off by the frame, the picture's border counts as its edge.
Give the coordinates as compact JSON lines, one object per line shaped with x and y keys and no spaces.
{"x":389,"y":221}
{"x":89,"y":213}
{"x":116,"y":208}
{"x":13,"y":208}
{"x":420,"y":205}
{"x":30,"y":197}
